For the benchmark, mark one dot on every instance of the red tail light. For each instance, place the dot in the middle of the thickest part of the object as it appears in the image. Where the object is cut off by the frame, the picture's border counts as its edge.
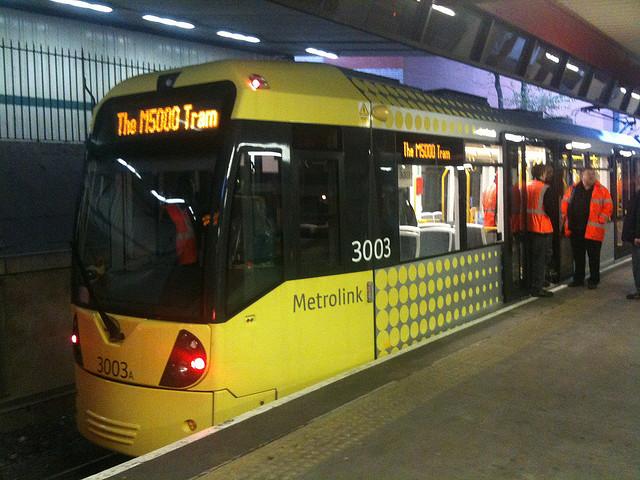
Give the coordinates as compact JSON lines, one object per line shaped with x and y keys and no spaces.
{"x":198,"y":364}
{"x":187,"y":362}
{"x":75,"y":341}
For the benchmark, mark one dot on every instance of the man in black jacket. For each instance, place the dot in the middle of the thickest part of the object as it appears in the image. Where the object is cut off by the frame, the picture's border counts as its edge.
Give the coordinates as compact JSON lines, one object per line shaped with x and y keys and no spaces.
{"x":631,"y":234}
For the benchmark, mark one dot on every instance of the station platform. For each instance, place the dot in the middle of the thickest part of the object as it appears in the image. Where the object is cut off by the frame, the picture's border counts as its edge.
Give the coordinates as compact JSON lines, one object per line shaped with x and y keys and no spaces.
{"x":548,"y":390}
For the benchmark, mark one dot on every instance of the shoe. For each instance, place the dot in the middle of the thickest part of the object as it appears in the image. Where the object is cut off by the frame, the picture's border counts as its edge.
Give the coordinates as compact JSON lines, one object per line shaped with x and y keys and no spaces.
{"x":633,"y":296}
{"x":542,"y":293}
{"x":592,"y":286}
{"x":576,"y":284}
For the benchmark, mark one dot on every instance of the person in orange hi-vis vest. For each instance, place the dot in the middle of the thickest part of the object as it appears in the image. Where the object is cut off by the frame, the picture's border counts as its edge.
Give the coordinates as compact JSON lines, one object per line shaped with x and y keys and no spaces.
{"x":586,"y":208}
{"x":490,"y":204}
{"x":186,"y":247}
{"x":539,"y":227}
{"x":517,"y":225}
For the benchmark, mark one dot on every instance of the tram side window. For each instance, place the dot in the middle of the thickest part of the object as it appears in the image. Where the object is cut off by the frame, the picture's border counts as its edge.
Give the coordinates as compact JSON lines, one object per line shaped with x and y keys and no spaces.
{"x":601,"y":165}
{"x":485,"y":204}
{"x":428,"y":210}
{"x":579,"y":161}
{"x":319,"y":221}
{"x":255,"y":234}
{"x":386,"y":205}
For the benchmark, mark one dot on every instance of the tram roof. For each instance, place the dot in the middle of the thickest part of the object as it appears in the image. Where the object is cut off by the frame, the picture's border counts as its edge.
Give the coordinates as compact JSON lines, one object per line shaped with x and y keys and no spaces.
{"x":325,"y":94}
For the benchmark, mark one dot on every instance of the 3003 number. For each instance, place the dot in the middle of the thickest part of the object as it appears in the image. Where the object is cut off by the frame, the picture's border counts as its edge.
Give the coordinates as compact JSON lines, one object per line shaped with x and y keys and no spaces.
{"x":114,"y":368}
{"x":379,"y":248}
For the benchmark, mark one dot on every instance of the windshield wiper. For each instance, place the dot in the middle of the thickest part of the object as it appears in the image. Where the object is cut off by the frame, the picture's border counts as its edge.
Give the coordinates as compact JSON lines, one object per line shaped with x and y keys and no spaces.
{"x":111,"y":325}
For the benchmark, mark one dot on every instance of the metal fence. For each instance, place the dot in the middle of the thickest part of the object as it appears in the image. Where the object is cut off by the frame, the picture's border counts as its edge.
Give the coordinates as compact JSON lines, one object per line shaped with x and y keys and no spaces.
{"x":48,"y":94}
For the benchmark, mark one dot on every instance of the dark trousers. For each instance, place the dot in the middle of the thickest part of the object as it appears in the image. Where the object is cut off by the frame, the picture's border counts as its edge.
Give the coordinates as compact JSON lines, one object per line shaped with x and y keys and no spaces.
{"x":540,"y":251}
{"x":580,"y":246}
{"x":635,"y":258}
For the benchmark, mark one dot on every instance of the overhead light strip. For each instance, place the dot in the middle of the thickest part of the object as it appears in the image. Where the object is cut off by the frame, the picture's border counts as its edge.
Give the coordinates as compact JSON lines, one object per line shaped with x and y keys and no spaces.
{"x":96,"y":7}
{"x":321,"y":53}
{"x":552,"y":57}
{"x":169,"y":22}
{"x":238,"y":36}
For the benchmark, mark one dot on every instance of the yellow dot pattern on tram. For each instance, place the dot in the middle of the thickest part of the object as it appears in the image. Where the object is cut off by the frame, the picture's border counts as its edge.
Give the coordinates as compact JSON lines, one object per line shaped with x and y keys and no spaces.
{"x":423,"y":299}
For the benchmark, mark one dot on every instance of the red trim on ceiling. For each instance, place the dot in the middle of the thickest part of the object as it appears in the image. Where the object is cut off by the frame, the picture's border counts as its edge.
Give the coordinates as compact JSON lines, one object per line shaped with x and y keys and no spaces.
{"x":563,"y":29}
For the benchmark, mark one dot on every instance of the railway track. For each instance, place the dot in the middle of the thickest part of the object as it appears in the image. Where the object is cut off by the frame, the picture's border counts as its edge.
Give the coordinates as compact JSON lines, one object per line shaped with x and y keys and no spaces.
{"x":89,"y":467}
{"x":39,"y":440}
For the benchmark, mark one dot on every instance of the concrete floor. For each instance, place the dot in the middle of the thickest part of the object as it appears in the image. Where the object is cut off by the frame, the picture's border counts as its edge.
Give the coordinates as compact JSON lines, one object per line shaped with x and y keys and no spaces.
{"x":550,"y":390}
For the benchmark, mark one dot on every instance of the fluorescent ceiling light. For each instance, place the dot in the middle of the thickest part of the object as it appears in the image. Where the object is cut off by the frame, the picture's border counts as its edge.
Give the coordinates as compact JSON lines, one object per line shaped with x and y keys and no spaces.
{"x":168,"y":21}
{"x":90,"y":6}
{"x":445,"y":10}
{"x":623,"y":90}
{"x":321,"y":53}
{"x":513,"y":138}
{"x":486,"y":132}
{"x":635,"y":95}
{"x":238,"y":36}
{"x":552,"y":57}
{"x":572,"y":67}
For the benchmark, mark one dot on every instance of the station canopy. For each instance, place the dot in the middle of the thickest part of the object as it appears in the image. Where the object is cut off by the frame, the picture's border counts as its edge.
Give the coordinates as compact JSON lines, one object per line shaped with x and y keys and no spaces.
{"x":585,"y":49}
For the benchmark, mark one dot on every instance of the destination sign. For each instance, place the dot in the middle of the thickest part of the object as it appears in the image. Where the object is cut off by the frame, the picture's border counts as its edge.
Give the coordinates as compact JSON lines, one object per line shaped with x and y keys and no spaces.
{"x":166,"y":120}
{"x":417,"y":148}
{"x":425,"y":151}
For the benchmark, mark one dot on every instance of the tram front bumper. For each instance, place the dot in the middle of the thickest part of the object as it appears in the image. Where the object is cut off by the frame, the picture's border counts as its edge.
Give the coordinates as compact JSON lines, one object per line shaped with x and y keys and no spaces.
{"x":135,"y":420}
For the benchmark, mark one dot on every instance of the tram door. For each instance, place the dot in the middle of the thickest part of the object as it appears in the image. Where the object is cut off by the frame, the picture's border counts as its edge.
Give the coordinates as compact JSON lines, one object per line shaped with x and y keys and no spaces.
{"x":520,"y":157}
{"x":567,"y":174}
{"x":625,"y":173}
{"x":515,"y":267}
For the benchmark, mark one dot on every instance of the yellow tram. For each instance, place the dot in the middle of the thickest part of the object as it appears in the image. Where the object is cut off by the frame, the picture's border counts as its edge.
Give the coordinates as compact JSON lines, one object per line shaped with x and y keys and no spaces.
{"x":249,"y":228}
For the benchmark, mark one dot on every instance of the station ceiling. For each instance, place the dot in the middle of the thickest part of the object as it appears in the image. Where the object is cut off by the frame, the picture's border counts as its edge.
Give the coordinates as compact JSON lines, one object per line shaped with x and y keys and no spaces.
{"x":605,"y":33}
{"x":619,"y":20}
{"x":587,"y":49}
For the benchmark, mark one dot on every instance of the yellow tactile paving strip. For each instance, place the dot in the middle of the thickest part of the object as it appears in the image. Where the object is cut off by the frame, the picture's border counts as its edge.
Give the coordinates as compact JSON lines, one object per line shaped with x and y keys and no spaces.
{"x":299,"y":452}
{"x":424,"y":299}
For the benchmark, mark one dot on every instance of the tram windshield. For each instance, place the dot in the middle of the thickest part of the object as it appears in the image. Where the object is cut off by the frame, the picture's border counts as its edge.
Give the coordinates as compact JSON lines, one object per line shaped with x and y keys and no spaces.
{"x":141,"y":233}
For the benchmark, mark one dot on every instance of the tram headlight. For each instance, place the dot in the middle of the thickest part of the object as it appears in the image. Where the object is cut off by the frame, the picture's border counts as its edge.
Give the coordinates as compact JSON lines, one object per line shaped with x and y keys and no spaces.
{"x":187,"y":362}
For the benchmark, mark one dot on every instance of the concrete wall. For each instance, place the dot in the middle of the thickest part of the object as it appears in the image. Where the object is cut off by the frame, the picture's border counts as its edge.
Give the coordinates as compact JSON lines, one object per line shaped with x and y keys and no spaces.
{"x":35,"y":324}
{"x":39,"y":185}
